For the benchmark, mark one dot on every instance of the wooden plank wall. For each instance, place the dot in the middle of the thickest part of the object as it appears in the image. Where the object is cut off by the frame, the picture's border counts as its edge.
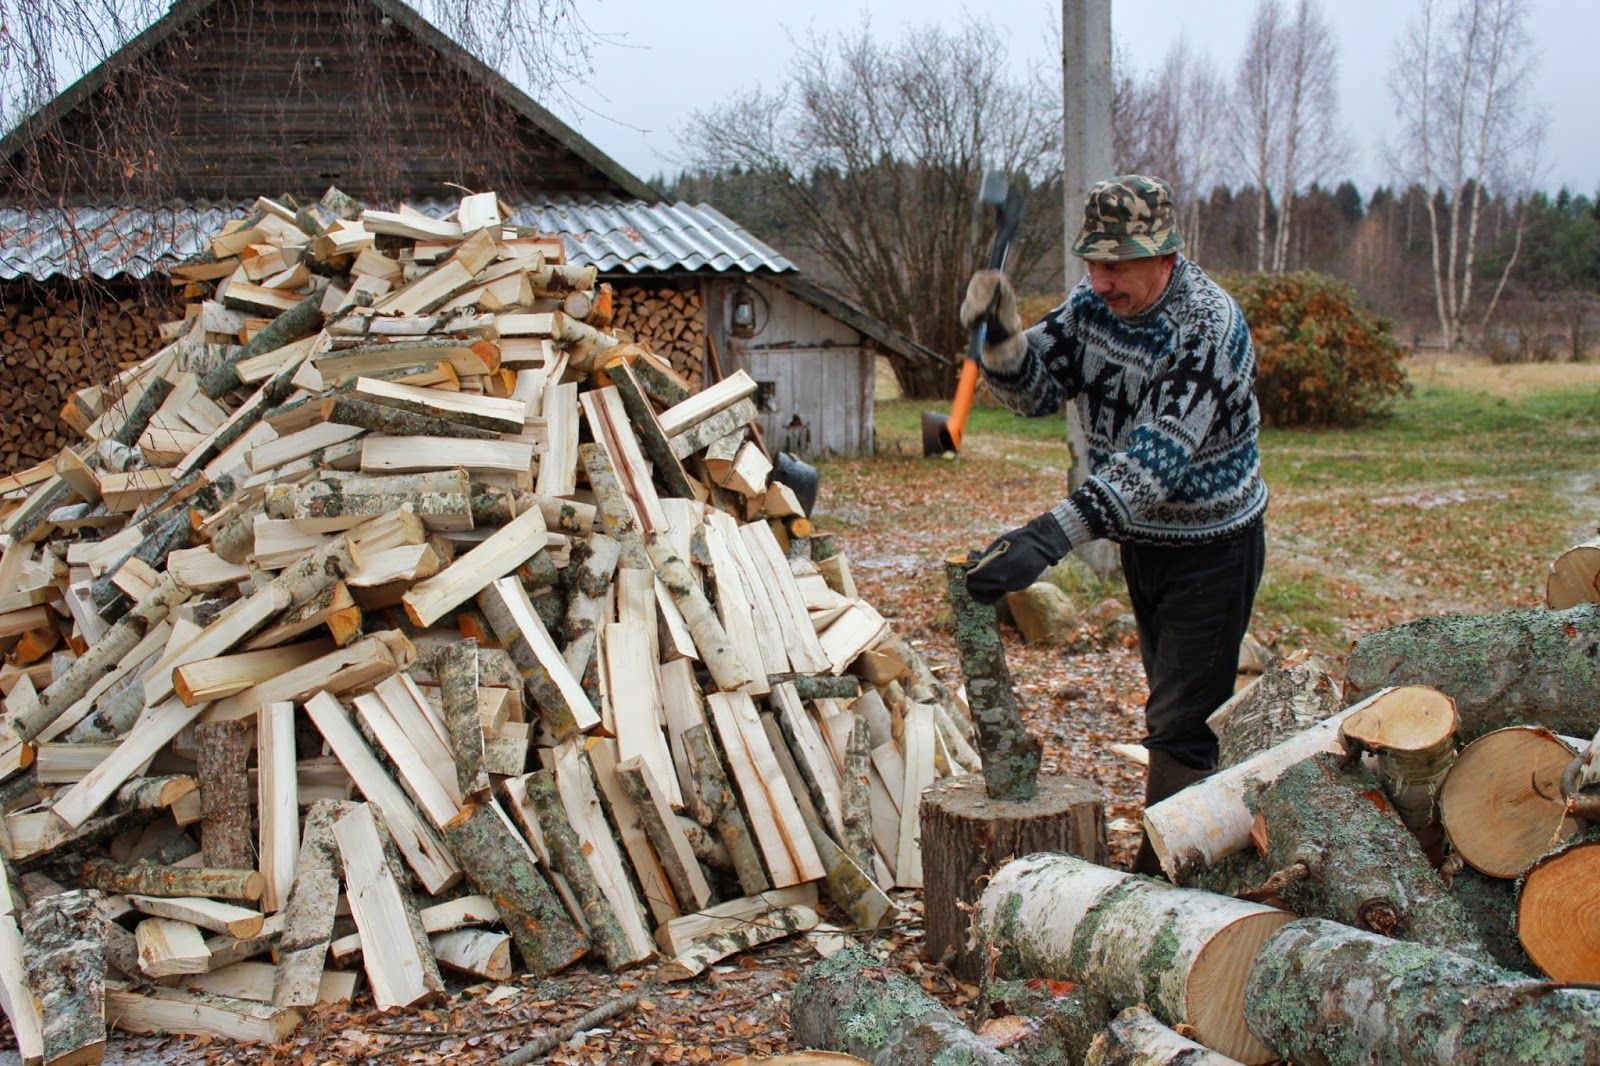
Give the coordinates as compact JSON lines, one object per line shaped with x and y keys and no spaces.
{"x":829,"y":388}
{"x":277,"y":96}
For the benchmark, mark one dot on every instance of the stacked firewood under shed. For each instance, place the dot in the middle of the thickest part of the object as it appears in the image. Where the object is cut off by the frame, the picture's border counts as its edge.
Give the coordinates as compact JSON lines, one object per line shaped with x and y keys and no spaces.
{"x":670,"y":321}
{"x":51,"y":344}
{"x":389,"y":618}
{"x":1403,"y":879}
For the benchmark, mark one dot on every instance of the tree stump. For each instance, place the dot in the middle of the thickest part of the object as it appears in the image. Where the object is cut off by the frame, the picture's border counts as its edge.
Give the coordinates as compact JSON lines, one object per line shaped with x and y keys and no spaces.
{"x":967,"y":835}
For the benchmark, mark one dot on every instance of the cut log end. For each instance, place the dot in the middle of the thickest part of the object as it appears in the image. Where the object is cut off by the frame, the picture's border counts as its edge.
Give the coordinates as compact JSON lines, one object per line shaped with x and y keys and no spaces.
{"x":1409,"y":718}
{"x":1502,"y":805}
{"x":1558,"y":914}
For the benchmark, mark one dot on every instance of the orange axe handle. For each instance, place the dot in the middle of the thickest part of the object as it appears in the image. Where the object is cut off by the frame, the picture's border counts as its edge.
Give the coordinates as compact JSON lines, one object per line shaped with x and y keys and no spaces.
{"x":961,"y":406}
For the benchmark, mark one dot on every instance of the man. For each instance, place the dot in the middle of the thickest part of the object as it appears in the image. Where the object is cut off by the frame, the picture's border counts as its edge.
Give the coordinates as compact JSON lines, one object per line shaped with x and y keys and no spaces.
{"x":1158,"y":359}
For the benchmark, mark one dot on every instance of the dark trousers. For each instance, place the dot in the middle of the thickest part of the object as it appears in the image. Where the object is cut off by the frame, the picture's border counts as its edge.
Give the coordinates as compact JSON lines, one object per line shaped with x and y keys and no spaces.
{"x":1193,"y":605}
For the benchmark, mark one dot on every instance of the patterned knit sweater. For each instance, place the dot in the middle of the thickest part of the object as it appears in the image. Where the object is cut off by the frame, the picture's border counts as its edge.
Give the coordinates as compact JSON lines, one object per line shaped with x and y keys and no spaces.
{"x":1167,"y":399}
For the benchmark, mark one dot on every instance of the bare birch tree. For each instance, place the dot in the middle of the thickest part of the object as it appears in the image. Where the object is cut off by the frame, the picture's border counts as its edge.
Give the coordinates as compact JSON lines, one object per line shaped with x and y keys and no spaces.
{"x":1460,"y":84}
{"x":1165,"y":123}
{"x":876,"y":152}
{"x":1258,"y":111}
{"x":1311,"y":144}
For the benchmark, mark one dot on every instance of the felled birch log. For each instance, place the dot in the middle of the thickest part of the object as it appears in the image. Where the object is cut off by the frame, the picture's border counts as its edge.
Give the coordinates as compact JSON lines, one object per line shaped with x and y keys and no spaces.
{"x":1502,"y":805}
{"x":1209,"y":820}
{"x":65,"y":948}
{"x":1044,"y":1021}
{"x":500,"y":864}
{"x":1011,"y":754}
{"x":1130,"y":940}
{"x":1321,"y":993}
{"x":1362,"y":867}
{"x":1490,"y":903}
{"x":851,"y":1003}
{"x":1525,"y":667}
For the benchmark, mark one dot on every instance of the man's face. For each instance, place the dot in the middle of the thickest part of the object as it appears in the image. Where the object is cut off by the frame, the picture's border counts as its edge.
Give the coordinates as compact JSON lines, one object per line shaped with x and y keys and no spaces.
{"x":1129,"y":286}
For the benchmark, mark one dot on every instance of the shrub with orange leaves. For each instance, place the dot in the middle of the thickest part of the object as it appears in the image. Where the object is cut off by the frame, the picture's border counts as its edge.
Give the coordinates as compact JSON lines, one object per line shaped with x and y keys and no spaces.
{"x":1322,"y":359}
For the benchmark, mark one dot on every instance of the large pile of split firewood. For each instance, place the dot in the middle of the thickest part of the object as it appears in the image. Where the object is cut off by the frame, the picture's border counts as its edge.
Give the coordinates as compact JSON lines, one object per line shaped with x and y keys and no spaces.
{"x":389,"y":618}
{"x":1399,"y":873}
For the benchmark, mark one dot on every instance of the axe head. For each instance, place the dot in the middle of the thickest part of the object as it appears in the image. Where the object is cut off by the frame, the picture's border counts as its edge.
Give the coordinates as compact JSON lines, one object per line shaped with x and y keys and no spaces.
{"x":994,"y":189}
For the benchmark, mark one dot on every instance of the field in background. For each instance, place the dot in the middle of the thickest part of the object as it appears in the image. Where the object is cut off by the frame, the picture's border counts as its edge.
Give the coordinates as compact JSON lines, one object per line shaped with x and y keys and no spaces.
{"x":1456,"y":503}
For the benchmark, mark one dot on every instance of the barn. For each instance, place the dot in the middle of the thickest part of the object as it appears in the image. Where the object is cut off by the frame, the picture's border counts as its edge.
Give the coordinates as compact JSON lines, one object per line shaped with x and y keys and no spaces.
{"x":126,"y":173}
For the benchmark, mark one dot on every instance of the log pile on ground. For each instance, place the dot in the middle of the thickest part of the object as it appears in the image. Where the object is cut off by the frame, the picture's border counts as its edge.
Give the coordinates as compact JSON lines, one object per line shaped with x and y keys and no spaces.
{"x":389,"y":621}
{"x":670,"y":321}
{"x":49,"y":348}
{"x":1405,"y":880}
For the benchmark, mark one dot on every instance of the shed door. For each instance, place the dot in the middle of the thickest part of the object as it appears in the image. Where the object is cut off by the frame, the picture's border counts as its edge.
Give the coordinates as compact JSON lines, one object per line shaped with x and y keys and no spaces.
{"x":816,"y":401}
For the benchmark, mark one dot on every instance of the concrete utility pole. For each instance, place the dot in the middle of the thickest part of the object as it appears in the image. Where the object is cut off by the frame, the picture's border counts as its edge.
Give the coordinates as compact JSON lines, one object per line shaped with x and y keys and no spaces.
{"x":1086,"y":144}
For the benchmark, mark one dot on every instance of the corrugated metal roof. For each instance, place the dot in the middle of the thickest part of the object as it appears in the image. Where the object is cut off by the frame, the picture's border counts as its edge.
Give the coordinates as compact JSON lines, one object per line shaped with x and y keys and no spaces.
{"x":615,"y":235}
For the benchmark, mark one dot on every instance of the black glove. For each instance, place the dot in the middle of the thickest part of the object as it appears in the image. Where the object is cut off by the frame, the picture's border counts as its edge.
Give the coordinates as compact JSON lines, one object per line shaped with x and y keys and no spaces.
{"x":1016,"y":559}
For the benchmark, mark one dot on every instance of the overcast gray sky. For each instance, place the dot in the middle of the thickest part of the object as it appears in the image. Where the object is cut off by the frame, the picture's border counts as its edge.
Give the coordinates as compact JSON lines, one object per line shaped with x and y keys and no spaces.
{"x":662,"y":61}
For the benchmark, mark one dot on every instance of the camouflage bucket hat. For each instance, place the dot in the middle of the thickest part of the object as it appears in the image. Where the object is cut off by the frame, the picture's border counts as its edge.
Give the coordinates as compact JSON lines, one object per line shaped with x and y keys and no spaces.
{"x":1130,"y":217}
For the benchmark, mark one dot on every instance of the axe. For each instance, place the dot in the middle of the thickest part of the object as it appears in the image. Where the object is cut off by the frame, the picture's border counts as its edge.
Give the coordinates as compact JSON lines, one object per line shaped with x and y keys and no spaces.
{"x":942,"y":433}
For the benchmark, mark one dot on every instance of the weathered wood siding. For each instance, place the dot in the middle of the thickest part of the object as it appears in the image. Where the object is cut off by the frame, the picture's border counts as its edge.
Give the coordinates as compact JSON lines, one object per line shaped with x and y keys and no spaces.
{"x":818,"y":372}
{"x":262,"y":97}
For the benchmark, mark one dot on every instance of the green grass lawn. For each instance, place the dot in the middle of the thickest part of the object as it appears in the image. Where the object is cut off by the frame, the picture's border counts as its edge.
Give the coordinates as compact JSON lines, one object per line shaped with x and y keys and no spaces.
{"x":1456,"y":502}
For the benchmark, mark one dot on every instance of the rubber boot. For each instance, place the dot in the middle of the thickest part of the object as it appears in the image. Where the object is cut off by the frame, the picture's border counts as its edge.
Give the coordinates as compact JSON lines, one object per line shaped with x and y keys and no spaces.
{"x":1165,"y":776}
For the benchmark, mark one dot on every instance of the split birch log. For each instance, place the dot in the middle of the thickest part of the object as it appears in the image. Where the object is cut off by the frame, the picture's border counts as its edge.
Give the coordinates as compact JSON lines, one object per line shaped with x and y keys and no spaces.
{"x":1010,"y":753}
{"x":1527,"y":667}
{"x":478,"y":952}
{"x":852,"y":1004}
{"x":1574,"y":577}
{"x":588,"y":578}
{"x":672,"y":848}
{"x":147,"y":879}
{"x":702,"y":955}
{"x":298,"y":321}
{"x":500,"y":864}
{"x":705,"y":628}
{"x":568,"y":860}
{"x":28,"y":721}
{"x":721,"y":810}
{"x":1131,"y":941}
{"x":21,"y":1006}
{"x":223,"y":751}
{"x":1135,"y":1038}
{"x":1361,"y":867}
{"x":1209,"y":820}
{"x":615,"y":513}
{"x":849,"y":883}
{"x":457,"y":668}
{"x":1501,"y":803}
{"x":1555,"y":913}
{"x":1292,"y":694}
{"x":1412,"y":731}
{"x":651,"y":438}
{"x":346,"y":410}
{"x":550,"y":683}
{"x":308,"y":917}
{"x":967,"y":835}
{"x":1321,"y":993}
{"x":65,"y":950}
{"x":394,"y":949}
